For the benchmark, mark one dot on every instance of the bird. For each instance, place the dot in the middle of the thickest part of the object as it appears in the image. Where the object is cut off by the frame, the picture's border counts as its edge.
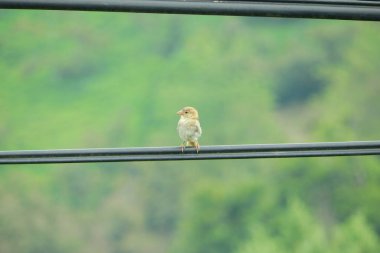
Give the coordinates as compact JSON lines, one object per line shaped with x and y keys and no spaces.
{"x":189,"y":128}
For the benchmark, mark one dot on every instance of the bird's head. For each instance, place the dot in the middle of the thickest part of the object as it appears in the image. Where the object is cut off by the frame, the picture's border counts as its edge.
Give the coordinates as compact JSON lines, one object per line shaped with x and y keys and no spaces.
{"x":188,"y":112}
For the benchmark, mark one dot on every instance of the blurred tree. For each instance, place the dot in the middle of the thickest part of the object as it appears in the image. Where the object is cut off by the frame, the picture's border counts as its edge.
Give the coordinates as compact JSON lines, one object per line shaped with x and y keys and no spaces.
{"x":300,"y":232}
{"x":74,"y":79}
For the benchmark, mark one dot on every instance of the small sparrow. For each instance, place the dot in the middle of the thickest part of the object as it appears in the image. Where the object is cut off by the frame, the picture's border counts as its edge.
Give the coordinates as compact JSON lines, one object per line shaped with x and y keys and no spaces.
{"x":189,"y":129}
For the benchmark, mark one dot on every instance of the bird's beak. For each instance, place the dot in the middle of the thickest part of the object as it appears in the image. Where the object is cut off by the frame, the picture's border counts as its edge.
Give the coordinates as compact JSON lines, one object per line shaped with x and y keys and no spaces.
{"x":180,"y":112}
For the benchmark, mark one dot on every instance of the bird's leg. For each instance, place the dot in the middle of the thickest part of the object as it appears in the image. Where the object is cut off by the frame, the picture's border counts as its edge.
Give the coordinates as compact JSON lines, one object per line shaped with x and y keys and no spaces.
{"x":197,"y":146}
{"x":183,"y":144}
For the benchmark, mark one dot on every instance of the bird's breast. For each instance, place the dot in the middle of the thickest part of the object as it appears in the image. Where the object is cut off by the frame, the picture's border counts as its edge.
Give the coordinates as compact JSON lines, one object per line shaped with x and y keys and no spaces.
{"x":189,"y":129}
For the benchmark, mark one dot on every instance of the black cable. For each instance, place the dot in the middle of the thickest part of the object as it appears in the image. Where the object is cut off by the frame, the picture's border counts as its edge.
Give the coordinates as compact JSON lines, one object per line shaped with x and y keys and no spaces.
{"x":325,"y":9}
{"x":206,"y":153}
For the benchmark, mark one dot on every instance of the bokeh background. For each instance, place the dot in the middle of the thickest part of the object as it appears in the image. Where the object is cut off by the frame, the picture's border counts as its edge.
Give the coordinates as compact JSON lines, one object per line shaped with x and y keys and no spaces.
{"x":89,"y":80}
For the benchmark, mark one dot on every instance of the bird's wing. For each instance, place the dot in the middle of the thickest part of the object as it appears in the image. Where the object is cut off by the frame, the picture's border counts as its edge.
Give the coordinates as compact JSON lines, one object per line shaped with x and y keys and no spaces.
{"x":196,"y":127}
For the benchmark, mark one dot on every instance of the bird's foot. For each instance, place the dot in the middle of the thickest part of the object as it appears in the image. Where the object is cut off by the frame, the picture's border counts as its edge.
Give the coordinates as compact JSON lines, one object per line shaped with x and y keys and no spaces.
{"x":182,"y":147}
{"x":197,"y":147}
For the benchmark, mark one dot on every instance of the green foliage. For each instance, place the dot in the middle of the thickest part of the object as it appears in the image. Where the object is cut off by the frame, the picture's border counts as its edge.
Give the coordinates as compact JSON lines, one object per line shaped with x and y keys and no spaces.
{"x":301,"y":232}
{"x":219,"y":214}
{"x":354,"y":236}
{"x":75,"y":79}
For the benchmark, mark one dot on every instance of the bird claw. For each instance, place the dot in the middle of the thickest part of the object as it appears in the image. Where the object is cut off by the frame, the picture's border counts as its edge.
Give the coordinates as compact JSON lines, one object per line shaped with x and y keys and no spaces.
{"x":197,"y":147}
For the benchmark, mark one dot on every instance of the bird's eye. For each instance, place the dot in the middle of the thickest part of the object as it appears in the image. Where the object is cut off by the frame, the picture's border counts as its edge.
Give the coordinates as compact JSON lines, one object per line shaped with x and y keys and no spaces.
{"x":186,"y":111}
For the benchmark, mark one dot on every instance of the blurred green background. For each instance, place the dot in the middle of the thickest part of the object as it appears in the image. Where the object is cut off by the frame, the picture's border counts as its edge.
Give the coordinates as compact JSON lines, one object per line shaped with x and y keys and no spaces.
{"x":88,"y":80}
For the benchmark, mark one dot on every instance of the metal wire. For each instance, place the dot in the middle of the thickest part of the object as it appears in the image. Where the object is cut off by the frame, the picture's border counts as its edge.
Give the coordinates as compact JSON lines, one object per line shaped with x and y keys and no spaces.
{"x":325,"y":9}
{"x":206,"y":153}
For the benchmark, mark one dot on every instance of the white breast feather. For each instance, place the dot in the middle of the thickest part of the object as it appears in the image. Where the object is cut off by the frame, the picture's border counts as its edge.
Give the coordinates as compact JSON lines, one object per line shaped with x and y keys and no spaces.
{"x":189,"y":129}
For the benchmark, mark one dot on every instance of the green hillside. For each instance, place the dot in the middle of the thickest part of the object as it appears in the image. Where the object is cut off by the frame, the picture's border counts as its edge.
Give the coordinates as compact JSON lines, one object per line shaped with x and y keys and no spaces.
{"x":89,"y":80}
